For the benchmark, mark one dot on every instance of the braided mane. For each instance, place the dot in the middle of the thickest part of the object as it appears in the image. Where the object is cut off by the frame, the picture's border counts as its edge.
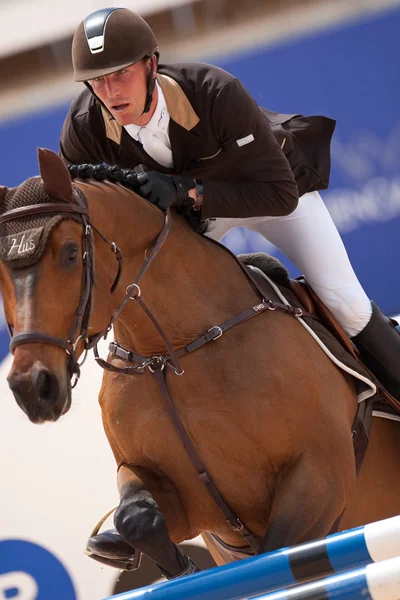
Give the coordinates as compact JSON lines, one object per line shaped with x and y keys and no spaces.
{"x":128,"y":178}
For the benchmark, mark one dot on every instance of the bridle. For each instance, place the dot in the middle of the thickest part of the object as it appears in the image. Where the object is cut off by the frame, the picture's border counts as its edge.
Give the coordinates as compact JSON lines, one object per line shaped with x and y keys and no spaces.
{"x":79,"y":331}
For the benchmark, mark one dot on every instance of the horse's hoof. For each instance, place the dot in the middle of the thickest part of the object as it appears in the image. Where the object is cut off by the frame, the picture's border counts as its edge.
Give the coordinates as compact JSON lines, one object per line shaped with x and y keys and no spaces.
{"x":111,"y":550}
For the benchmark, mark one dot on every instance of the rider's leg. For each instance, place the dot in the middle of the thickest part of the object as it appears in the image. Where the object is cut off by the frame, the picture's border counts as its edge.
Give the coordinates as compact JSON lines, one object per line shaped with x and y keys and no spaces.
{"x":309,"y":238}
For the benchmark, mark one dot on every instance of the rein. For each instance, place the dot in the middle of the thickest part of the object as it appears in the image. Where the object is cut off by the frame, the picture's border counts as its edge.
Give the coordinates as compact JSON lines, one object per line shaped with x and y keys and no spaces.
{"x":155,"y":364}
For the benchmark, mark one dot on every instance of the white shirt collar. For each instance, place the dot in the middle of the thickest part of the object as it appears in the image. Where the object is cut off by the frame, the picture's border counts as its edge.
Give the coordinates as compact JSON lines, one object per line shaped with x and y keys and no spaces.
{"x":159,"y":121}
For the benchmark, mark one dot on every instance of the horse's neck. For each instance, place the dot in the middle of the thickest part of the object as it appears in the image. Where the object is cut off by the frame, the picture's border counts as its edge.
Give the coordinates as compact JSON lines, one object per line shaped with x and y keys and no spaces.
{"x":191,"y":285}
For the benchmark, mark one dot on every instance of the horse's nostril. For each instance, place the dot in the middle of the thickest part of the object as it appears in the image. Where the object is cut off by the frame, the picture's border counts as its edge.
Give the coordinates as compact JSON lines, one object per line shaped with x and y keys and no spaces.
{"x":46,"y":386}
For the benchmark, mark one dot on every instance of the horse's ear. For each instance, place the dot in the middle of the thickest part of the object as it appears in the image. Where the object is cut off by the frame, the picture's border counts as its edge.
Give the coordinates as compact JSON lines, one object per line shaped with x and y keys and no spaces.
{"x":55,"y":175}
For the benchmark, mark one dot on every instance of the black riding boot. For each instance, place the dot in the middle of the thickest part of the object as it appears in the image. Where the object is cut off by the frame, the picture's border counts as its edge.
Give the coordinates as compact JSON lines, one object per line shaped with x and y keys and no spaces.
{"x":379,"y":347}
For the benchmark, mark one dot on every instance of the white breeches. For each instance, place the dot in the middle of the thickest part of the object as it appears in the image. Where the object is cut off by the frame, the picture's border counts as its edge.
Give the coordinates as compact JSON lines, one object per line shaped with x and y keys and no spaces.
{"x":310,"y":240}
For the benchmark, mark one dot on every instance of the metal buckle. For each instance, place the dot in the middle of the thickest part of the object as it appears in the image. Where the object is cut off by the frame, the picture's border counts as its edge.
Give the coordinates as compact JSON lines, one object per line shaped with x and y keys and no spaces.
{"x":85,"y":355}
{"x":130,"y":289}
{"x":298,"y":312}
{"x":157,"y":359}
{"x":174,"y":369}
{"x":74,"y":382}
{"x":270,"y":305}
{"x":239,"y":527}
{"x":220,"y":332}
{"x":75,"y":343}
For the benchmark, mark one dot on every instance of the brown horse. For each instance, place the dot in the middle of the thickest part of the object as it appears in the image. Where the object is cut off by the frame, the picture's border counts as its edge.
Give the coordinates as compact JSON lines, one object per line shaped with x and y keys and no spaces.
{"x":267,"y":411}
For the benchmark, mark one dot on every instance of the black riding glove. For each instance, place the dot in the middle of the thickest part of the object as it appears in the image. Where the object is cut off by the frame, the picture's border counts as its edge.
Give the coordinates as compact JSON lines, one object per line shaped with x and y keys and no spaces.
{"x":164,"y":190}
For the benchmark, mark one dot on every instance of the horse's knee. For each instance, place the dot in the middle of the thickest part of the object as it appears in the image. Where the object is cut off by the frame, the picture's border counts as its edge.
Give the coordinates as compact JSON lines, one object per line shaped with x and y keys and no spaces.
{"x":139,"y":521}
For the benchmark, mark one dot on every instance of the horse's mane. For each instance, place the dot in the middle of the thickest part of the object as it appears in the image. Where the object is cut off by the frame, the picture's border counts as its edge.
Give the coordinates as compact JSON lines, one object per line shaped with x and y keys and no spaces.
{"x":128,"y":178}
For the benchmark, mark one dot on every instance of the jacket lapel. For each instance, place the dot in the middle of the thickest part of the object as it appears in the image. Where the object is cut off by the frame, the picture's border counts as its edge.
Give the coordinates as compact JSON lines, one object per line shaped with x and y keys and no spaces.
{"x":186,"y":145}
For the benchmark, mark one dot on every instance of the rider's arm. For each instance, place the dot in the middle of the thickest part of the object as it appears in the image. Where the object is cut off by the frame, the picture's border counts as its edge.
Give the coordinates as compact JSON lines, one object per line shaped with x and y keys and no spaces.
{"x":262,"y":181}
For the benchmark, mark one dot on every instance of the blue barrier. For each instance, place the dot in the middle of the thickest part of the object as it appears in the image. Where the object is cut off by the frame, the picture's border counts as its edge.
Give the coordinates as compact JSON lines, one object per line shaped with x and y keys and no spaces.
{"x":284,"y":568}
{"x":380,"y":581}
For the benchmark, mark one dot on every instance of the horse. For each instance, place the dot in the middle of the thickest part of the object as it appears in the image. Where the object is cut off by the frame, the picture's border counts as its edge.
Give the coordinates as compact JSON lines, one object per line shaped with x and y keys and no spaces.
{"x":260,"y":405}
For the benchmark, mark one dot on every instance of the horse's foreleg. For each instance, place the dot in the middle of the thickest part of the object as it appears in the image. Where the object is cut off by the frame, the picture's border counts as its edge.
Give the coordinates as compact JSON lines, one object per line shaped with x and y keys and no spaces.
{"x":141,"y":524}
{"x":308,"y":500}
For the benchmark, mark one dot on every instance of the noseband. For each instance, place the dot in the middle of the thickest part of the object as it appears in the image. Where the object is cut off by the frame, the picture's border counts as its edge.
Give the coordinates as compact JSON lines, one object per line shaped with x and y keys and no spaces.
{"x":79,"y":330}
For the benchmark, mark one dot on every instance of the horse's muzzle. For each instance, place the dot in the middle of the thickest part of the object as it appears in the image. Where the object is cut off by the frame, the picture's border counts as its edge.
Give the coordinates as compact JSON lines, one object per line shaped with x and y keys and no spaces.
{"x":38,"y":393}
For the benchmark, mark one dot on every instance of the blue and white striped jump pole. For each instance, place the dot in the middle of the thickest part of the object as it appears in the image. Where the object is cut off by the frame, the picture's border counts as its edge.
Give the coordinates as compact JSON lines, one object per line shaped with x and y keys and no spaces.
{"x":379,"y":581}
{"x":284,"y":568}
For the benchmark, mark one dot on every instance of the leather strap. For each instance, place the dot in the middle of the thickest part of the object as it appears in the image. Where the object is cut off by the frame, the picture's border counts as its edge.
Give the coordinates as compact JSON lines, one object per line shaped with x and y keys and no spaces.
{"x":209,"y":336}
{"x":36,"y":338}
{"x":234,"y":522}
{"x":38,"y":209}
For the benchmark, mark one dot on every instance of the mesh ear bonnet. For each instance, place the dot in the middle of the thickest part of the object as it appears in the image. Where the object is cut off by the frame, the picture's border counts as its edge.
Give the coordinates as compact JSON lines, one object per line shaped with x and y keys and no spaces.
{"x":23,"y":240}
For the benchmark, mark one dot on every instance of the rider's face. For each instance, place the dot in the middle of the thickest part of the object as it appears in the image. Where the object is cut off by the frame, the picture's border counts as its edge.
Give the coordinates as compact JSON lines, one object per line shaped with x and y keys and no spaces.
{"x":124,"y":92}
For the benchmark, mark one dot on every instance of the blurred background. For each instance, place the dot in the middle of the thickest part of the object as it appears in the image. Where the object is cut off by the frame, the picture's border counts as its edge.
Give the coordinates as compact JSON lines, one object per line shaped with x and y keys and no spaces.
{"x":338,"y":58}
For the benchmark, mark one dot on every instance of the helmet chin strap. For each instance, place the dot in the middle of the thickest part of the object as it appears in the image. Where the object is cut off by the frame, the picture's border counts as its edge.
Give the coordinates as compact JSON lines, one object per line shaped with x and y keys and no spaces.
{"x":150,"y":87}
{"x":150,"y":90}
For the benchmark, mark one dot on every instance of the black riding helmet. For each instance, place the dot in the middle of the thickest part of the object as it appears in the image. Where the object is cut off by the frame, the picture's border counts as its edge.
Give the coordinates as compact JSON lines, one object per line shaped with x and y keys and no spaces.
{"x":111,"y":39}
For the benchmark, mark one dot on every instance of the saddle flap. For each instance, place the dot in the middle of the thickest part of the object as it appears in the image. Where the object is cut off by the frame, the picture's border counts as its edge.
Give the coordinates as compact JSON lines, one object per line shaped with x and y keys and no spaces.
{"x":309,"y":299}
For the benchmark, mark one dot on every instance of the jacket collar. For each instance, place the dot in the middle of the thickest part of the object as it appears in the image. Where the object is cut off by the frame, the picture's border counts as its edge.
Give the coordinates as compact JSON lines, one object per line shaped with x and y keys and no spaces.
{"x":179,"y":108}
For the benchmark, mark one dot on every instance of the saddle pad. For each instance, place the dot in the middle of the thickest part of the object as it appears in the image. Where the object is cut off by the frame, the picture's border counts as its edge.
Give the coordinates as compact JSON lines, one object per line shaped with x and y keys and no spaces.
{"x":383,"y":410}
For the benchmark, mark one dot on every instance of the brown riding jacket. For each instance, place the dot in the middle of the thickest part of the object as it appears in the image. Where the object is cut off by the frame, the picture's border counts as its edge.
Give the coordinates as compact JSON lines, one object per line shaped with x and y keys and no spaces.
{"x":248,"y":158}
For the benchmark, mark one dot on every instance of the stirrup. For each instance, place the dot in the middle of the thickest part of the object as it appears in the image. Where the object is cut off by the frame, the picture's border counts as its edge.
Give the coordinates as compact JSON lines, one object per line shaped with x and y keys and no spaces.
{"x":110,"y":549}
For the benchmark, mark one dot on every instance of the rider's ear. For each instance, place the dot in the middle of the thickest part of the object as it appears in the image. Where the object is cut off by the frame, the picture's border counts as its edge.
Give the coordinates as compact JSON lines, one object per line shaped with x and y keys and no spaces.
{"x":55,"y":175}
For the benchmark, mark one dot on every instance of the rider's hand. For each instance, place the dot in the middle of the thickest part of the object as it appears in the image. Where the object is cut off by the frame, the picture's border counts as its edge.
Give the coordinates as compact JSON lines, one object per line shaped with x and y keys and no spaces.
{"x":164,"y":190}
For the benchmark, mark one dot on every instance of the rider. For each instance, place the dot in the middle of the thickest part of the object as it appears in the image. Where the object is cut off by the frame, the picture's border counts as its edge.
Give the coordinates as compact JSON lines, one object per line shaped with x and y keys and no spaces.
{"x":238,"y":163}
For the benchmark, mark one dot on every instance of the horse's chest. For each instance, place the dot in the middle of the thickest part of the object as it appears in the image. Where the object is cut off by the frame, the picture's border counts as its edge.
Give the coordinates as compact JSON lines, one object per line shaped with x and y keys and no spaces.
{"x":141,"y":429}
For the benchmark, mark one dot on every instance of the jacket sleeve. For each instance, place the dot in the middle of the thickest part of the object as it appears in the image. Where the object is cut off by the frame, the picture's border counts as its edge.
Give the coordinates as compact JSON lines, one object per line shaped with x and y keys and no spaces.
{"x":77,"y":146}
{"x":262,"y":181}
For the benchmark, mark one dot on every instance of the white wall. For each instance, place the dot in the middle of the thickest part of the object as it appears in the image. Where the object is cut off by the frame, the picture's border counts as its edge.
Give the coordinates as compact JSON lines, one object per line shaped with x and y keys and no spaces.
{"x":57,"y":480}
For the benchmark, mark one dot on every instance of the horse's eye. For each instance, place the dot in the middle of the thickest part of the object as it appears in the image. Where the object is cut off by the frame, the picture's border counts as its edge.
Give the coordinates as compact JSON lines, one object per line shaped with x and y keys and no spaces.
{"x":69,"y":255}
